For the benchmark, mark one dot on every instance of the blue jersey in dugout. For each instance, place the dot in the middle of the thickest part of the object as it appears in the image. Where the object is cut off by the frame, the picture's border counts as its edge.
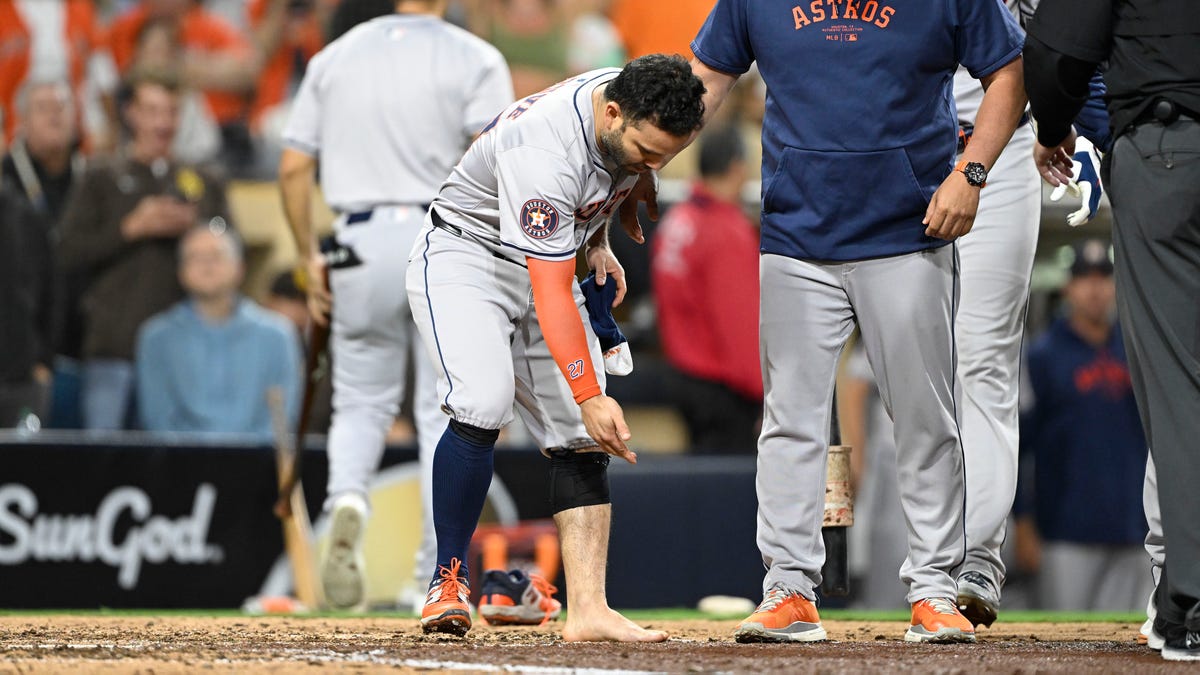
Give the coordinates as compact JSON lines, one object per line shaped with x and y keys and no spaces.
{"x":860,"y":126}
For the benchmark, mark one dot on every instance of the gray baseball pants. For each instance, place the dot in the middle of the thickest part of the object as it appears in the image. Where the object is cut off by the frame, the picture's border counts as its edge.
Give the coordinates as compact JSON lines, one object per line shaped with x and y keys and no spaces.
{"x":904,"y":306}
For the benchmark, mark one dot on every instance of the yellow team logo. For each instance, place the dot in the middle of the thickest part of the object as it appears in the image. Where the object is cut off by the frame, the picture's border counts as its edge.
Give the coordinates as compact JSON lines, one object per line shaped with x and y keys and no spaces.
{"x":190,"y":184}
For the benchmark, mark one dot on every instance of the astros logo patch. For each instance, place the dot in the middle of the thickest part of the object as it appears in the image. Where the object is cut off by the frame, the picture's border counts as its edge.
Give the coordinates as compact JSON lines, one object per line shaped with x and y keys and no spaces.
{"x":538,"y":218}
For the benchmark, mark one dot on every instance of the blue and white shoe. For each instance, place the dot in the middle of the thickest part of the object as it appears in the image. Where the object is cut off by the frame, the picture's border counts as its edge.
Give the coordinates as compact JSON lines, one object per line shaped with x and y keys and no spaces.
{"x":516,"y":599}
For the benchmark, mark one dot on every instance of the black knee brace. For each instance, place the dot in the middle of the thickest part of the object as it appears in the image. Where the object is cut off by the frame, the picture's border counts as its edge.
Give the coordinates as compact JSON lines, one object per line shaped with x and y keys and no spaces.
{"x":577,"y":479}
{"x":474,"y":435}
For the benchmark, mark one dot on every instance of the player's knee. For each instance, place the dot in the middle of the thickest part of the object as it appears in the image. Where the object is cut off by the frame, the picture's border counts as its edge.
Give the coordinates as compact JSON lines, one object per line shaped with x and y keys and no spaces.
{"x":487,"y":412}
{"x":363,"y":408}
{"x":474,"y":435}
{"x":578,"y":479}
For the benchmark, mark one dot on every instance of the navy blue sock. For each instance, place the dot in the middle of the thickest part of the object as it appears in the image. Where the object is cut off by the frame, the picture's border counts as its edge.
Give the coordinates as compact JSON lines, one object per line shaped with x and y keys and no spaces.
{"x":462,"y":472}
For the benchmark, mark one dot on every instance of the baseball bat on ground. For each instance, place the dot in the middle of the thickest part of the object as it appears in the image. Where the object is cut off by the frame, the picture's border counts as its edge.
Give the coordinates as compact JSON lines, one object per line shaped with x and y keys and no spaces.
{"x":316,"y":366}
{"x":297,"y":530}
{"x":839,"y":514}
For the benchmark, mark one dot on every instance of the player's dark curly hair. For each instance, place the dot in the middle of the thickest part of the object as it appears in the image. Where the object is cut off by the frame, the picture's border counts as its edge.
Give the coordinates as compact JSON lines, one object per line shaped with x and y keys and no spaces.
{"x":662,"y":90}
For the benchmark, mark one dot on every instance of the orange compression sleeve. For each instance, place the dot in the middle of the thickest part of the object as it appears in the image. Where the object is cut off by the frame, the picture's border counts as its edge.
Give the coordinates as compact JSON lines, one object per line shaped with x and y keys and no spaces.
{"x":561,"y":324}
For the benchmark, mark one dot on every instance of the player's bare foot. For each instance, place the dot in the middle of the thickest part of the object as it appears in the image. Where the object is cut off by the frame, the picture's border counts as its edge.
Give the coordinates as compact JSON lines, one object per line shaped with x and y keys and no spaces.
{"x":606,"y":626}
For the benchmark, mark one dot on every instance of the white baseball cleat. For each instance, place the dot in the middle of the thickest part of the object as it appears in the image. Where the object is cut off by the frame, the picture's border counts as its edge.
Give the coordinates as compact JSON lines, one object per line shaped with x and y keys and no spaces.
{"x":1150,"y":637}
{"x":343,"y":569}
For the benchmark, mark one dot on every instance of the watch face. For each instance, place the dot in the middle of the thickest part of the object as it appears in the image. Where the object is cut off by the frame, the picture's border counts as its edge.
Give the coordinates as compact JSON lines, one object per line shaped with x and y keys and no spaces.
{"x":976,"y":175}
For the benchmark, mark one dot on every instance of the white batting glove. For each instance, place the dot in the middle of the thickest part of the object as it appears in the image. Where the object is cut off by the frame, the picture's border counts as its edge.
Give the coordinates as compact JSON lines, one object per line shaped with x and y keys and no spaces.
{"x":618,"y":360}
{"x":1085,"y":166}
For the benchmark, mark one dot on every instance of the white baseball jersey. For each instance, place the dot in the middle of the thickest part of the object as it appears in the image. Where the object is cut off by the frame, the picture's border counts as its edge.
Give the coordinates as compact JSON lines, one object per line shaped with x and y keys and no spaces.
{"x":968,"y":92}
{"x":535,"y":183}
{"x":995,"y":261}
{"x":391,"y":135}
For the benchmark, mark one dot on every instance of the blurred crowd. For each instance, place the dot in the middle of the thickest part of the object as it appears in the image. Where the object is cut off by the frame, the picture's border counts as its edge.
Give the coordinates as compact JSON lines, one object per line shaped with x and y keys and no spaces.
{"x":123,"y":123}
{"x":238,"y":62}
{"x":124,"y":120}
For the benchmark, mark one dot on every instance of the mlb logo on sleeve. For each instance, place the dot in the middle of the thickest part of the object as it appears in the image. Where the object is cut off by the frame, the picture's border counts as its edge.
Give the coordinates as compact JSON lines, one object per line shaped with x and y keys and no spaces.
{"x":538,"y":218}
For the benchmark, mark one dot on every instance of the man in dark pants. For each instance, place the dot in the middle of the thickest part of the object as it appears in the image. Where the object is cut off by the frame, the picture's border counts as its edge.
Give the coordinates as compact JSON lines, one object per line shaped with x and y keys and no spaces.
{"x":26,"y":304}
{"x":1153,"y":79}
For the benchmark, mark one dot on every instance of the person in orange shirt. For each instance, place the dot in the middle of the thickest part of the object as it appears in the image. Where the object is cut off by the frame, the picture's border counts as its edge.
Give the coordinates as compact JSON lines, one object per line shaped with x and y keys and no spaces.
{"x":159,"y":49}
{"x":227,"y":67}
{"x":296,"y":43}
{"x":49,"y":41}
{"x":658,"y":27}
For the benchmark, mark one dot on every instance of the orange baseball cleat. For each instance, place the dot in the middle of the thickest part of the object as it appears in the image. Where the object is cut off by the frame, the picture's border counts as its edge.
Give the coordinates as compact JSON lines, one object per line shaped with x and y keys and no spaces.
{"x":446,"y":609}
{"x":782,"y":616}
{"x":512,"y":598}
{"x":937,"y":620}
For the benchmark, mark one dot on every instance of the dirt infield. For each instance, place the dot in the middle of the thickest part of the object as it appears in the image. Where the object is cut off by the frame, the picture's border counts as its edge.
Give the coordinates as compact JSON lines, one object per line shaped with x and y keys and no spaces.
{"x":164,"y":645}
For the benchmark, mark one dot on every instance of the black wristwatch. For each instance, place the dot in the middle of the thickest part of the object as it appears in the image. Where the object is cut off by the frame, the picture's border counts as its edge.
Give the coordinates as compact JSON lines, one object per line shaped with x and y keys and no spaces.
{"x":975,"y":173}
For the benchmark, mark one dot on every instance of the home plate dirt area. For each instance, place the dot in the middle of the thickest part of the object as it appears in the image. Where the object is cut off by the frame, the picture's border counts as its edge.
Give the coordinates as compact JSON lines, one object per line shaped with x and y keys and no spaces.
{"x":197,"y":644}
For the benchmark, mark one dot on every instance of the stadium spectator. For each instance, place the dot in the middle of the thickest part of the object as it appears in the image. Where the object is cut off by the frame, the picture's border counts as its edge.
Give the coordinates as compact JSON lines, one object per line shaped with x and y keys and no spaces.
{"x":122,"y":225}
{"x":198,"y":139}
{"x":289,"y":39}
{"x":206,"y":364}
{"x":704,"y":270}
{"x":595,"y":42}
{"x":53,"y":41}
{"x":232,"y":11}
{"x":218,"y":60}
{"x":43,"y":159}
{"x":299,"y":40}
{"x":43,"y":163}
{"x":26,"y":303}
{"x":1082,"y":523}
{"x":545,"y":40}
{"x":533,"y":36}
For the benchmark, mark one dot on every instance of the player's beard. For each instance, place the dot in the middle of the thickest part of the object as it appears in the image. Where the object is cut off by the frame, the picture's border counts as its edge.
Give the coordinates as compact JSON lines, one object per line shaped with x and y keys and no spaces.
{"x":611,"y":145}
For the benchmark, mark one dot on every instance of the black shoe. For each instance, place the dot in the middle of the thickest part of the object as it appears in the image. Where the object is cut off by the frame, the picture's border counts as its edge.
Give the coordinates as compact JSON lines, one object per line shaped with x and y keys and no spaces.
{"x":1183,"y":646}
{"x":1180,"y":643}
{"x":515,"y":598}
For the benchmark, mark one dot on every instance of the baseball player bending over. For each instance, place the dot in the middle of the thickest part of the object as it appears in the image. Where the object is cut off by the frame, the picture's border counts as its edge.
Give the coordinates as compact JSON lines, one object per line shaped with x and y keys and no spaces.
{"x":492,"y":285}
{"x":387,"y":108}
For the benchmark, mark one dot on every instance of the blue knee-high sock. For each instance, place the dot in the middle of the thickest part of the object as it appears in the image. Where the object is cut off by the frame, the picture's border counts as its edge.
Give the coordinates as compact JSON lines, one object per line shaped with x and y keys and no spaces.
{"x":462,"y":472}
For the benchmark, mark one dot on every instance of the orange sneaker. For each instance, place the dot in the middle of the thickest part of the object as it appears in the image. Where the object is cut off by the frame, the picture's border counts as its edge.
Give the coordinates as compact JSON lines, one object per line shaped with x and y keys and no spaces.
{"x":512,"y":598}
{"x":446,"y":609}
{"x":782,"y":616}
{"x":938,"y":620}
